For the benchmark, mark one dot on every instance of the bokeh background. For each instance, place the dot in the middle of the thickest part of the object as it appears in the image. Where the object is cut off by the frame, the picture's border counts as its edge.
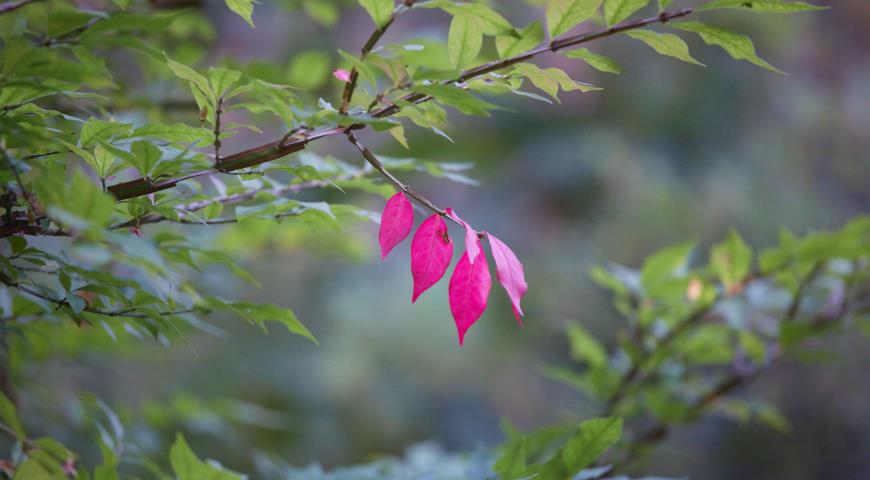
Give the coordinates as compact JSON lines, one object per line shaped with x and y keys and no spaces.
{"x":666,"y":152}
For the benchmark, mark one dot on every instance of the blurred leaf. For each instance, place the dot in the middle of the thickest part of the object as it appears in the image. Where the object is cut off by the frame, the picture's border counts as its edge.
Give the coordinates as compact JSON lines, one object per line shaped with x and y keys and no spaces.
{"x":9,"y":415}
{"x":585,"y":347}
{"x":616,"y":11}
{"x":740,"y":47}
{"x":379,"y":10}
{"x":762,"y":6}
{"x":563,"y":15}
{"x":599,"y":62}
{"x":529,"y":37}
{"x":243,"y":8}
{"x":187,"y":466}
{"x":665,"y":44}
{"x":592,"y":439}
{"x":463,"y":41}
{"x":731,"y":259}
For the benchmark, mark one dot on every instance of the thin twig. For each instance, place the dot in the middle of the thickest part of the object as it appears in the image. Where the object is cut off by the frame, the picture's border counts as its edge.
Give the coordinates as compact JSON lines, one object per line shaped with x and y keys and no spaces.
{"x":129,"y":312}
{"x":379,"y":166}
{"x":217,"y":131}
{"x":350,"y":86}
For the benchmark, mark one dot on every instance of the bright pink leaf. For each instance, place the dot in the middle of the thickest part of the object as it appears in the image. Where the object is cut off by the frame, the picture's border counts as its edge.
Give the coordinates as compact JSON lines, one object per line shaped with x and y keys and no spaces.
{"x":472,"y":243}
{"x":468,"y":292}
{"x":396,"y":222}
{"x":431,"y":252}
{"x":341,"y":74}
{"x":509,"y":272}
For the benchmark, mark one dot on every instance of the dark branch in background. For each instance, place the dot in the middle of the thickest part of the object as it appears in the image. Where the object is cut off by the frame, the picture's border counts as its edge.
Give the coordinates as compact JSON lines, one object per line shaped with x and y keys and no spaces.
{"x":7,"y":7}
{"x":281,"y":148}
{"x":218,"y":110}
{"x":129,"y":312}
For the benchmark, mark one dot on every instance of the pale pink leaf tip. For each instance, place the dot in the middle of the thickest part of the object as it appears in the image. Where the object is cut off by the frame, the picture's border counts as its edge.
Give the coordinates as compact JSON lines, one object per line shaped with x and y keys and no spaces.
{"x":510,"y":274}
{"x":341,"y":74}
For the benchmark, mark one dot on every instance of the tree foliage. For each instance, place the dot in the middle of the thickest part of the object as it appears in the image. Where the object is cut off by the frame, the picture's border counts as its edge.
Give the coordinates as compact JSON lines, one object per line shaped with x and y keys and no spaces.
{"x":96,"y":164}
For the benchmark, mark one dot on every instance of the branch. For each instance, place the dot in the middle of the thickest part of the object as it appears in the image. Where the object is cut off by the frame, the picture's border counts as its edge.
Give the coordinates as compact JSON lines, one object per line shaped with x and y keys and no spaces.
{"x":129,"y":312}
{"x":280,"y":148}
{"x":795,"y":305}
{"x":350,"y":86}
{"x":379,"y":166}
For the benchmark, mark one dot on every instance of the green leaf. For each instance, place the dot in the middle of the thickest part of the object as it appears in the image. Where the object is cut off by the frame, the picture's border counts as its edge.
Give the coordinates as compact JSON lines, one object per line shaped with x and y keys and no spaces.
{"x":64,"y":19}
{"x":599,"y":62}
{"x":379,"y":10}
{"x":457,"y":98}
{"x":175,"y":133}
{"x":563,"y":15}
{"x":10,"y":417}
{"x":663,"y":4}
{"x":664,"y":265}
{"x":187,"y":466}
{"x":244,"y":9}
{"x":195,"y":78}
{"x":585,"y":347}
{"x":463,"y":41}
{"x":665,"y":44}
{"x":78,"y":203}
{"x":487,"y":20}
{"x":221,"y":79}
{"x":145,"y":157}
{"x":738,"y":46}
{"x":550,"y":80}
{"x":592,"y":439}
{"x":616,"y":11}
{"x":95,"y":130}
{"x":762,"y":6}
{"x":308,"y":69}
{"x":731,"y":260}
{"x":259,"y":314}
{"x":512,"y":463}
{"x":529,"y":37}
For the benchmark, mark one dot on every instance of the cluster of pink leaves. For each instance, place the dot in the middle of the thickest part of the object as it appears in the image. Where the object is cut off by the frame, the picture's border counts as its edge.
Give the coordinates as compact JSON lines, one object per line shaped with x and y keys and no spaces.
{"x":432,"y":251}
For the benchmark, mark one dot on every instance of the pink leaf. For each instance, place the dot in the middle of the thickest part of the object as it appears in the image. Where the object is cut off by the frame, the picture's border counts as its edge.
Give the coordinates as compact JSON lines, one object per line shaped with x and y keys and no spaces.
{"x":431,"y":252}
{"x":472,"y":243}
{"x":509,"y":272}
{"x":341,"y":74}
{"x":469,"y":289}
{"x":396,"y":222}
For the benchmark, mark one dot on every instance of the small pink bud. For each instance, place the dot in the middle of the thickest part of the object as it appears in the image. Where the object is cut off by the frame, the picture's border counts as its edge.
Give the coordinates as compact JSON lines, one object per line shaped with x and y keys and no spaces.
{"x":693,"y":292}
{"x":341,"y":74}
{"x":69,"y":466}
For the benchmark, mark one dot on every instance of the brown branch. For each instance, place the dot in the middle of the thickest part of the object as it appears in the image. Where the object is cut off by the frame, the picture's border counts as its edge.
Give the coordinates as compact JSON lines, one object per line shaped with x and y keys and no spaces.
{"x":129,"y":312}
{"x":379,"y":166}
{"x":350,"y":86}
{"x":280,"y":148}
{"x":217,"y":131}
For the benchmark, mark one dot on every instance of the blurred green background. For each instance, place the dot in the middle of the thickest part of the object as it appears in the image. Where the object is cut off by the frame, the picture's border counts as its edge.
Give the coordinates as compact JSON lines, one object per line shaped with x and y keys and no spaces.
{"x":666,"y":152}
